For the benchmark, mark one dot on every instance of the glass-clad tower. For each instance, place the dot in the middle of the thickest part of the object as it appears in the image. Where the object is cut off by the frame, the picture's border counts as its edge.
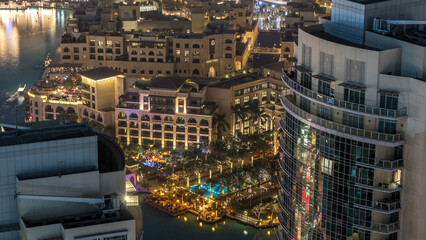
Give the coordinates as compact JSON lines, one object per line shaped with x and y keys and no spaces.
{"x":352,"y":155}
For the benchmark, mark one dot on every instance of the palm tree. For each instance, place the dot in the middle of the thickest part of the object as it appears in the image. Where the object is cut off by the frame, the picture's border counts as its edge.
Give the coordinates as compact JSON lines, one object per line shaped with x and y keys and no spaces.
{"x":274,"y":207}
{"x":240,"y":112}
{"x":256,"y":113}
{"x":220,"y":123}
{"x":258,"y":210}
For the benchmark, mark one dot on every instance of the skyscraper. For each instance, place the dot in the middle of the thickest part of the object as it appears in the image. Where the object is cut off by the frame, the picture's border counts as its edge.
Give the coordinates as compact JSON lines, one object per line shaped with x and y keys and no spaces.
{"x":353,"y":142}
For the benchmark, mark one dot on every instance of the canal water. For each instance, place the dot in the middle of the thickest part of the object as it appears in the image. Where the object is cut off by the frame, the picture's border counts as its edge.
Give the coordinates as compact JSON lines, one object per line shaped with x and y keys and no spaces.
{"x":26,"y":36}
{"x":159,"y":225}
{"x":267,"y":39}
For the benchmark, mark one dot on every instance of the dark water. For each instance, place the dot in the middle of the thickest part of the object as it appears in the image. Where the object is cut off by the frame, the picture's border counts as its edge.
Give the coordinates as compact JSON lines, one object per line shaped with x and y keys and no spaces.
{"x":158,"y":225}
{"x":26,"y":36}
{"x":266,"y":39}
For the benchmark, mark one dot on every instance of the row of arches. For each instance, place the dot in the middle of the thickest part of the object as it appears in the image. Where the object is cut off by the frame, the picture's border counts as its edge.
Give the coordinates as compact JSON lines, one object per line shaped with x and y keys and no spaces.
{"x":179,"y":120}
{"x":150,"y":53}
{"x":92,"y":116}
{"x":59,"y":109}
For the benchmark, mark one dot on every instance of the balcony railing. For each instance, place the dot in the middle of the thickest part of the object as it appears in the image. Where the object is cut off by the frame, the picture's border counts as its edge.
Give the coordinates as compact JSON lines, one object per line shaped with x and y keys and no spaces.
{"x":335,"y":128}
{"x":385,"y":206}
{"x":383,"y":186}
{"x":388,"y":165}
{"x":358,"y":108}
{"x":384,"y":228}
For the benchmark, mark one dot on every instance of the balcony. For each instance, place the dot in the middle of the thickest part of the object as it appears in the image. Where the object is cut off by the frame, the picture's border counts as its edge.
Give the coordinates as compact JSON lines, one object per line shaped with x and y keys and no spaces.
{"x":387,"y":165}
{"x":122,"y":124}
{"x":382,"y":228}
{"x":388,"y":187}
{"x":168,"y":129}
{"x":344,"y":105}
{"x":390,"y":140}
{"x":385,"y":206}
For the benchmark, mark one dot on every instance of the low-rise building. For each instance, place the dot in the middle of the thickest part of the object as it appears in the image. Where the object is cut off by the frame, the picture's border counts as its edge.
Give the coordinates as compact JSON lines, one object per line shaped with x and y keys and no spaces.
{"x":167,"y":112}
{"x":94,"y":99}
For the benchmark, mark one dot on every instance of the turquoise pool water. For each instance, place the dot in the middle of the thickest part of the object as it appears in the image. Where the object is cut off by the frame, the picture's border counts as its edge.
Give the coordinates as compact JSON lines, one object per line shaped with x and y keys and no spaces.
{"x":158,"y":226}
{"x":217,"y":189}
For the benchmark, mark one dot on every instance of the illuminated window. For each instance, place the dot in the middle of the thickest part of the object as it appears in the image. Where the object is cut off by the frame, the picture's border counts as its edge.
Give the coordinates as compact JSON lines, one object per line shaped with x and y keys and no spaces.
{"x":237,"y":101}
{"x":100,"y":43}
{"x":246,"y":99}
{"x":109,"y":43}
{"x":327,"y":166}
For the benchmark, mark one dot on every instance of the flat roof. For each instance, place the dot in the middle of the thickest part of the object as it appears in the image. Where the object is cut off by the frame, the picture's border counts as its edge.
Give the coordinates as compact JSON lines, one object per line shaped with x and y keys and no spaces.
{"x":277,"y":66}
{"x":44,"y":134}
{"x":100,"y":73}
{"x":230,"y":82}
{"x":110,"y":155}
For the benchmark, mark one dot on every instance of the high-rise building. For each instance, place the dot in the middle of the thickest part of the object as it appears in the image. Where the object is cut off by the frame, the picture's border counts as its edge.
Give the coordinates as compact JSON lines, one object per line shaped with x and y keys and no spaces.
{"x":63,"y":182}
{"x":353,"y":141}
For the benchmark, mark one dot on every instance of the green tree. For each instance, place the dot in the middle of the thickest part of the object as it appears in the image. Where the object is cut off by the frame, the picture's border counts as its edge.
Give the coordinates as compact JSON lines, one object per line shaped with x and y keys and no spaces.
{"x":258,"y":210}
{"x":68,"y":118}
{"x":220,"y":124}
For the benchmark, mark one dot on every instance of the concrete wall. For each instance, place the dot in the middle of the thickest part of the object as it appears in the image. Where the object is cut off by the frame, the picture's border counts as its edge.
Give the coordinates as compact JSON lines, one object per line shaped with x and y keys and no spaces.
{"x":37,"y":160}
{"x":73,"y":185}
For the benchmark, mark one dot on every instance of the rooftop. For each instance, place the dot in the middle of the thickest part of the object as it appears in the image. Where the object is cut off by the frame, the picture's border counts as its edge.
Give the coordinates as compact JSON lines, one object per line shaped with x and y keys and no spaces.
{"x":110,"y":155}
{"x":234,"y":81}
{"x":100,"y":73}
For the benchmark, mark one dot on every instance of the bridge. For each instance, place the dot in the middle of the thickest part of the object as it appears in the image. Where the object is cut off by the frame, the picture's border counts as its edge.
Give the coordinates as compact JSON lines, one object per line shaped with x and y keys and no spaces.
{"x":265,"y":50}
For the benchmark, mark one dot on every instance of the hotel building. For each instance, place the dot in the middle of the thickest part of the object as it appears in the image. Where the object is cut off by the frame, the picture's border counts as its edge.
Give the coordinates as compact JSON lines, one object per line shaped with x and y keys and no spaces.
{"x":167,"y":112}
{"x":353,"y":144}
{"x":95,"y":99}
{"x":64,"y":182}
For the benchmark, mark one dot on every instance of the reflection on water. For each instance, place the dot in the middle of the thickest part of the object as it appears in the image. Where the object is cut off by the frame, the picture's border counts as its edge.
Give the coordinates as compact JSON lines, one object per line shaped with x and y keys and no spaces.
{"x":26,"y":36}
{"x":25,"y":24}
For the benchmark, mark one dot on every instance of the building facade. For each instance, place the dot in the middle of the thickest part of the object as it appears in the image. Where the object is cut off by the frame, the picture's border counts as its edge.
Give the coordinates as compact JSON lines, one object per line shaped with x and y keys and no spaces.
{"x":351,"y":154}
{"x":94,"y":100}
{"x":63,"y":182}
{"x":165,"y":112}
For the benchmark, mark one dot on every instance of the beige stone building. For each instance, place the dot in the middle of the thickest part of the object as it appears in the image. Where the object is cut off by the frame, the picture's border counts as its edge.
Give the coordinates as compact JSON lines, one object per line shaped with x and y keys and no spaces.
{"x":95,"y":99}
{"x":166,"y":112}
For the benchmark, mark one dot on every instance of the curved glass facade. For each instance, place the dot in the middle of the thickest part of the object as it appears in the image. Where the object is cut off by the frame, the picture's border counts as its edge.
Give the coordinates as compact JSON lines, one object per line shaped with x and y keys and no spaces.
{"x":335,"y":187}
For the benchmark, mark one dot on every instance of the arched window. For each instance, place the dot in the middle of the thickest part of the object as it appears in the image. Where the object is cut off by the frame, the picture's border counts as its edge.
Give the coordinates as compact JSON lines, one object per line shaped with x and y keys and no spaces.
{"x":228,"y":48}
{"x":212,"y":72}
{"x":70,"y":110}
{"x":196,"y":72}
{"x":66,"y":49}
{"x":151,"y":53}
{"x":192,"y":120}
{"x":287,"y":49}
{"x":157,"y":118}
{"x":204,"y":122}
{"x":85,"y":113}
{"x":168,"y":119}
{"x":122,"y":115}
{"x":59,"y":109}
{"x":228,"y":41}
{"x":145,"y":117}
{"x":180,"y":120}
{"x":133,"y":115}
{"x":99,"y":118}
{"x":134,"y":52}
{"x":48,"y":108}
{"x":92,"y":115}
{"x":196,"y":46}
